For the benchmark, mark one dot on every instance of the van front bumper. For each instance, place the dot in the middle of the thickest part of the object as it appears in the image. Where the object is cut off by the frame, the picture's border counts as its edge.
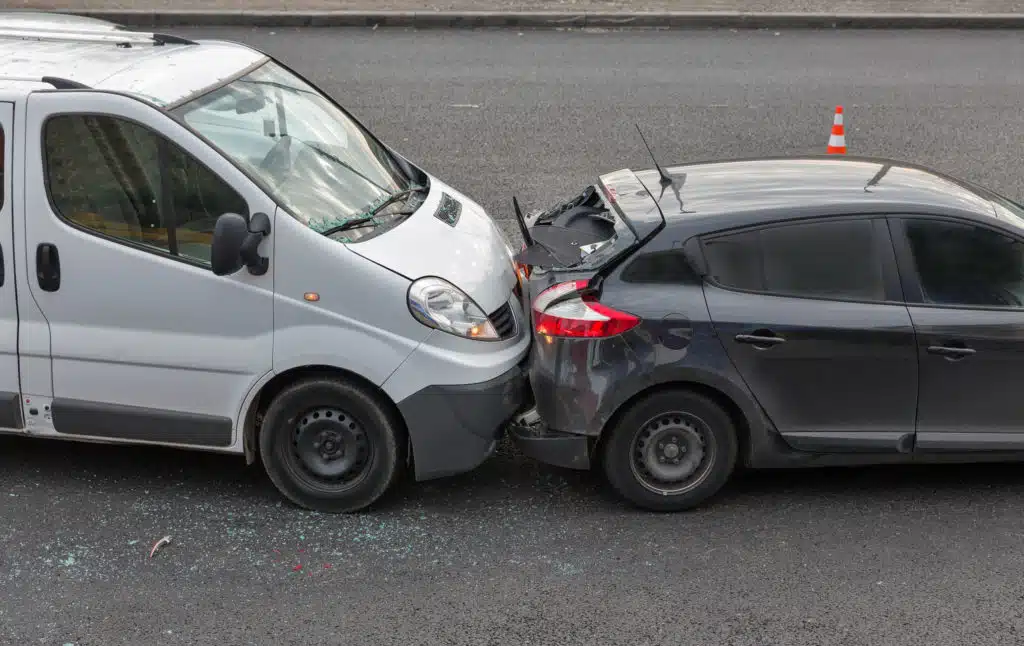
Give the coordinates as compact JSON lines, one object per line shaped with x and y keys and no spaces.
{"x":454,"y":428}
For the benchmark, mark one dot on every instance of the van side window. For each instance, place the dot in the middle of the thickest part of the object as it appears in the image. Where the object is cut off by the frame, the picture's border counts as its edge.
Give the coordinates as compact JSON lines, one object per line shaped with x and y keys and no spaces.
{"x":122,"y":180}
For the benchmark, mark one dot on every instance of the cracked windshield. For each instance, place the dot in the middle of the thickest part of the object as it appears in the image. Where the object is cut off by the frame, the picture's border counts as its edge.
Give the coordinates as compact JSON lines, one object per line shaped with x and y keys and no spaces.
{"x":319,"y":164}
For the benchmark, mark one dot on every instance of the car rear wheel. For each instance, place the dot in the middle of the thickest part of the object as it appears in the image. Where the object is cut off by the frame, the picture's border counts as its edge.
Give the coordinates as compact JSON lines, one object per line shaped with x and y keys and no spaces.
{"x":670,"y":451}
{"x":330,"y":446}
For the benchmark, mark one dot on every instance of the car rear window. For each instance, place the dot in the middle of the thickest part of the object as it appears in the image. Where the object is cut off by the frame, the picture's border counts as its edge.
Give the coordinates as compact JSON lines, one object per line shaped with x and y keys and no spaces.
{"x":834,"y":259}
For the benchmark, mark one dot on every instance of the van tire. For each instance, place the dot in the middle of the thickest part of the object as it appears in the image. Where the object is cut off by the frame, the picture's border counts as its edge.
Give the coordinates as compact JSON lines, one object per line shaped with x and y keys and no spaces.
{"x":670,"y":451}
{"x":329,"y":445}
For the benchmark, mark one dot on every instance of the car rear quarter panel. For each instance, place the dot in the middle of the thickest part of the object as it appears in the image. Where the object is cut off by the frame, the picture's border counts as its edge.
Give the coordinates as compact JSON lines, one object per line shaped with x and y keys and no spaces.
{"x":579,"y":385}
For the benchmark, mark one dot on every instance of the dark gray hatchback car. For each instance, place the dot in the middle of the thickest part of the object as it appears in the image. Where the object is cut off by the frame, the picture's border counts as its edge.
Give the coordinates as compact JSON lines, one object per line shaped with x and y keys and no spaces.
{"x":776,"y":313}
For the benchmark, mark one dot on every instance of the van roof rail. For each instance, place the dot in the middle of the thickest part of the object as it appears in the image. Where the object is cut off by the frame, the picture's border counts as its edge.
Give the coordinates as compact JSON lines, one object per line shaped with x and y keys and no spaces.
{"x":63,"y":83}
{"x":57,"y":82}
{"x":120,"y":38}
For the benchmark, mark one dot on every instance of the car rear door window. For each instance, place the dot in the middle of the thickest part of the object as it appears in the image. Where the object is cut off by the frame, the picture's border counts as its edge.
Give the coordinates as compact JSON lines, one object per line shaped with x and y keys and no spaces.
{"x":835,"y":259}
{"x":966,"y":265}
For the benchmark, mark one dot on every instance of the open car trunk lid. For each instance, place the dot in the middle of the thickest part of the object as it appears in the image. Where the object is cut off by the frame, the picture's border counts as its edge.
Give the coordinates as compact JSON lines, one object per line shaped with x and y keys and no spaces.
{"x":594,"y":230}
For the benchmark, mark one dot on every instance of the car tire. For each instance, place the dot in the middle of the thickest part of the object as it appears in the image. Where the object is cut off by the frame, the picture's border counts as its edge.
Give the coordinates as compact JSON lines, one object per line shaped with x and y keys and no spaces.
{"x":644,"y":468}
{"x":329,"y":445}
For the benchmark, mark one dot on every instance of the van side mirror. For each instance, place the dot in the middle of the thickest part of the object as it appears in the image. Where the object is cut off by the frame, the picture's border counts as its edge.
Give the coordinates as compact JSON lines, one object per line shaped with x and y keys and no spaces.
{"x":236,"y":244}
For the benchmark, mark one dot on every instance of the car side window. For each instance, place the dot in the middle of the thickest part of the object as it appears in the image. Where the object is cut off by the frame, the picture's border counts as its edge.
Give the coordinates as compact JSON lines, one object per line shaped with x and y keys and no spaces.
{"x":963,"y":264}
{"x":660,"y":267}
{"x":120,"y":179}
{"x":834,"y":259}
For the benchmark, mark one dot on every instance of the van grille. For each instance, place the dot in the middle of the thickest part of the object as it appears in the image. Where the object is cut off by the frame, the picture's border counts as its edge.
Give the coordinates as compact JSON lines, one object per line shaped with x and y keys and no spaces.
{"x":504,"y":321}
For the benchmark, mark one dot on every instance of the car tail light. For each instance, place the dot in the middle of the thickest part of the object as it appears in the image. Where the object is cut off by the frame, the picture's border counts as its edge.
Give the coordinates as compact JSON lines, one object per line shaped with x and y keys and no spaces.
{"x":579,"y":315}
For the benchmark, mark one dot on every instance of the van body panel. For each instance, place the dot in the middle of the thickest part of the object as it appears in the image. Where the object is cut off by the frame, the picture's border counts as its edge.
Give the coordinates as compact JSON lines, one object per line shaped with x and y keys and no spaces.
{"x":361,"y":321}
{"x":472,"y":253}
{"x":137,"y":329}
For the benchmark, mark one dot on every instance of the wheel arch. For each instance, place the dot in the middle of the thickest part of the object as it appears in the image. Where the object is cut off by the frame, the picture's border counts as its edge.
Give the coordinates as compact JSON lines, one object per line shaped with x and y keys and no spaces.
{"x":740,"y":419}
{"x":253,"y":416}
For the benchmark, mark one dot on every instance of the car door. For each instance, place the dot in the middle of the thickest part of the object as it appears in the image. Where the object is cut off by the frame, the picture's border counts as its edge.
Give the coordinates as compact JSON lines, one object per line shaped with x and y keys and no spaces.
{"x":811,"y":315}
{"x":10,"y":409}
{"x":964,"y":283}
{"x":146,"y":343}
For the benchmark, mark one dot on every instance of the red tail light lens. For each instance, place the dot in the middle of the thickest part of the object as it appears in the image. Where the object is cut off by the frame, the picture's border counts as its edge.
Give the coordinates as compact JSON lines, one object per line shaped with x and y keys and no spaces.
{"x":578,"y":316}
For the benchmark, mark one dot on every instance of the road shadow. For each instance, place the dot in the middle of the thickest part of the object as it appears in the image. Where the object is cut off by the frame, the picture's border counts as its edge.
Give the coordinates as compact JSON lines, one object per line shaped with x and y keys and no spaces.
{"x":507,"y":476}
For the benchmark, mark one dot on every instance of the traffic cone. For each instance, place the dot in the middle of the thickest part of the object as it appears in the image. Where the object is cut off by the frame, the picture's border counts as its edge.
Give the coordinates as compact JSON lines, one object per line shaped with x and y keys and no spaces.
{"x":837,"y":142}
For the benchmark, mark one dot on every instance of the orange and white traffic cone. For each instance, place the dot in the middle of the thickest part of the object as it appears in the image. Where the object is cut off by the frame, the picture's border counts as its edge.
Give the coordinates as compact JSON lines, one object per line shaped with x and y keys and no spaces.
{"x":837,"y":142}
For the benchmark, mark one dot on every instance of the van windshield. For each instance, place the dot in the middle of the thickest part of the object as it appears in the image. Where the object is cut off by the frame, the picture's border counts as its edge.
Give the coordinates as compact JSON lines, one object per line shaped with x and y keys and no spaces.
{"x":316,"y":162}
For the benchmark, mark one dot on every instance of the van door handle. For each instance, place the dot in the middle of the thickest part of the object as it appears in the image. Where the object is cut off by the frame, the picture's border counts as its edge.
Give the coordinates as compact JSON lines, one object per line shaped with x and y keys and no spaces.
{"x":951,"y":351}
{"x":762,"y":340}
{"x":48,"y":267}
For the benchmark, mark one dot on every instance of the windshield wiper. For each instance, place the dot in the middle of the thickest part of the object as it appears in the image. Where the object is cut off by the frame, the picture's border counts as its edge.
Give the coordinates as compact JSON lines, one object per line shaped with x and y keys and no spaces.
{"x":354,"y":223}
{"x":369,"y":218}
{"x":394,"y":197}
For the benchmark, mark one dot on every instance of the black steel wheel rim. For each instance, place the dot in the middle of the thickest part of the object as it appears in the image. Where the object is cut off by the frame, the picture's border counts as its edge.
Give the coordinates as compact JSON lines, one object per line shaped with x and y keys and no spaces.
{"x":672,"y":453}
{"x":330,"y":449}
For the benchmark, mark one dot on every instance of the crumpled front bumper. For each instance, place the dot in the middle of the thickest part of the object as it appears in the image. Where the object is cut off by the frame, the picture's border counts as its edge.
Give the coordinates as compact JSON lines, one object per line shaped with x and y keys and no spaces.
{"x":535,"y":440}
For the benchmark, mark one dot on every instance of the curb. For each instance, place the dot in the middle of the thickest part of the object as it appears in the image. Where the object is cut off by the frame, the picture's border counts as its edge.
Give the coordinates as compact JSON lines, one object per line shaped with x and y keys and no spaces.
{"x":550,"y":20}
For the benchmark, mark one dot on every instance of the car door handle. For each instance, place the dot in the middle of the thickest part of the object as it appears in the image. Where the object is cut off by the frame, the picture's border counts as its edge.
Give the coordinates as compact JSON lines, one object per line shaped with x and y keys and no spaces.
{"x":48,"y":267}
{"x":951,"y":351}
{"x":762,"y":340}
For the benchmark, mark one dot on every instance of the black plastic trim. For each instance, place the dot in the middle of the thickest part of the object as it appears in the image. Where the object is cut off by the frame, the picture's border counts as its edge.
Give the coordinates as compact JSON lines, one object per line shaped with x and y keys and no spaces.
{"x":453,"y":428}
{"x":10,"y":410}
{"x":969,"y":442}
{"x":94,"y":419}
{"x":171,"y":39}
{"x":851,"y":442}
{"x":558,"y":449}
{"x":63,"y":83}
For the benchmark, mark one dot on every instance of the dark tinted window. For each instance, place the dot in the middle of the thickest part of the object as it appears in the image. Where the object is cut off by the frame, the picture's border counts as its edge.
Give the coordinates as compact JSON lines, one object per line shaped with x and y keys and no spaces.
{"x":107,"y":174}
{"x":960,"y":264}
{"x":659,"y":267}
{"x":834,"y":259}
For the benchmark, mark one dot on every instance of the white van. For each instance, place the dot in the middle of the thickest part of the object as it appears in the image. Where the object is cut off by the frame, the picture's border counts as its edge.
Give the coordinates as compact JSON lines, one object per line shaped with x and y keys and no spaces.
{"x":200,"y":249}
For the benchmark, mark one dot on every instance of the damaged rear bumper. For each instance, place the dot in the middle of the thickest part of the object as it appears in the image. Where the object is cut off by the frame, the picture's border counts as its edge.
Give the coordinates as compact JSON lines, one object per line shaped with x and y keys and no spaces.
{"x":537,"y":441}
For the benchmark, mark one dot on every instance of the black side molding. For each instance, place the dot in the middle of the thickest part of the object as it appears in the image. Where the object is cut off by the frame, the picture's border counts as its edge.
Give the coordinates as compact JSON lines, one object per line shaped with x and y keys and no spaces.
{"x":851,"y":442}
{"x":960,"y":442}
{"x":10,"y":410}
{"x":75,"y":417}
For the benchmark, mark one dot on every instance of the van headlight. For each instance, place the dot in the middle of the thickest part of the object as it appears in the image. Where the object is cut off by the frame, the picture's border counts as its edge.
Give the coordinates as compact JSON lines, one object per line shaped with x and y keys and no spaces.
{"x":438,"y":304}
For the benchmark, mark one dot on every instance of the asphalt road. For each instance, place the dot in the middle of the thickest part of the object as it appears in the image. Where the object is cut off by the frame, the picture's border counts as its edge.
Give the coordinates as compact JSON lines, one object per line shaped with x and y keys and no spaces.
{"x":516,"y":553}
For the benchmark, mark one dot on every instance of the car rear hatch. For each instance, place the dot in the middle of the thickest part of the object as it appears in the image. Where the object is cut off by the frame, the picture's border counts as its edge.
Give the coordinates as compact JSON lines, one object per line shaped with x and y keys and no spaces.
{"x":589,"y":234}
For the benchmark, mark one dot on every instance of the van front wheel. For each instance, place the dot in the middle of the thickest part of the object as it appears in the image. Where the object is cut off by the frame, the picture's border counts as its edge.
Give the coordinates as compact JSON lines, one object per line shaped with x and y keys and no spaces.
{"x":329,"y":446}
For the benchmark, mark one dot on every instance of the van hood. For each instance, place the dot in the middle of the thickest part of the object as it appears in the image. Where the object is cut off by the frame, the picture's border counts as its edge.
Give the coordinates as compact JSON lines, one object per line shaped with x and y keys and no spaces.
{"x":451,"y":237}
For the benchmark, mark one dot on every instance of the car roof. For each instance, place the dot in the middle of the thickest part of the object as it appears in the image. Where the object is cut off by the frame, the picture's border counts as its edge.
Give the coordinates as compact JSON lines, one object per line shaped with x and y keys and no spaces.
{"x":776,"y":188}
{"x":102,"y":55}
